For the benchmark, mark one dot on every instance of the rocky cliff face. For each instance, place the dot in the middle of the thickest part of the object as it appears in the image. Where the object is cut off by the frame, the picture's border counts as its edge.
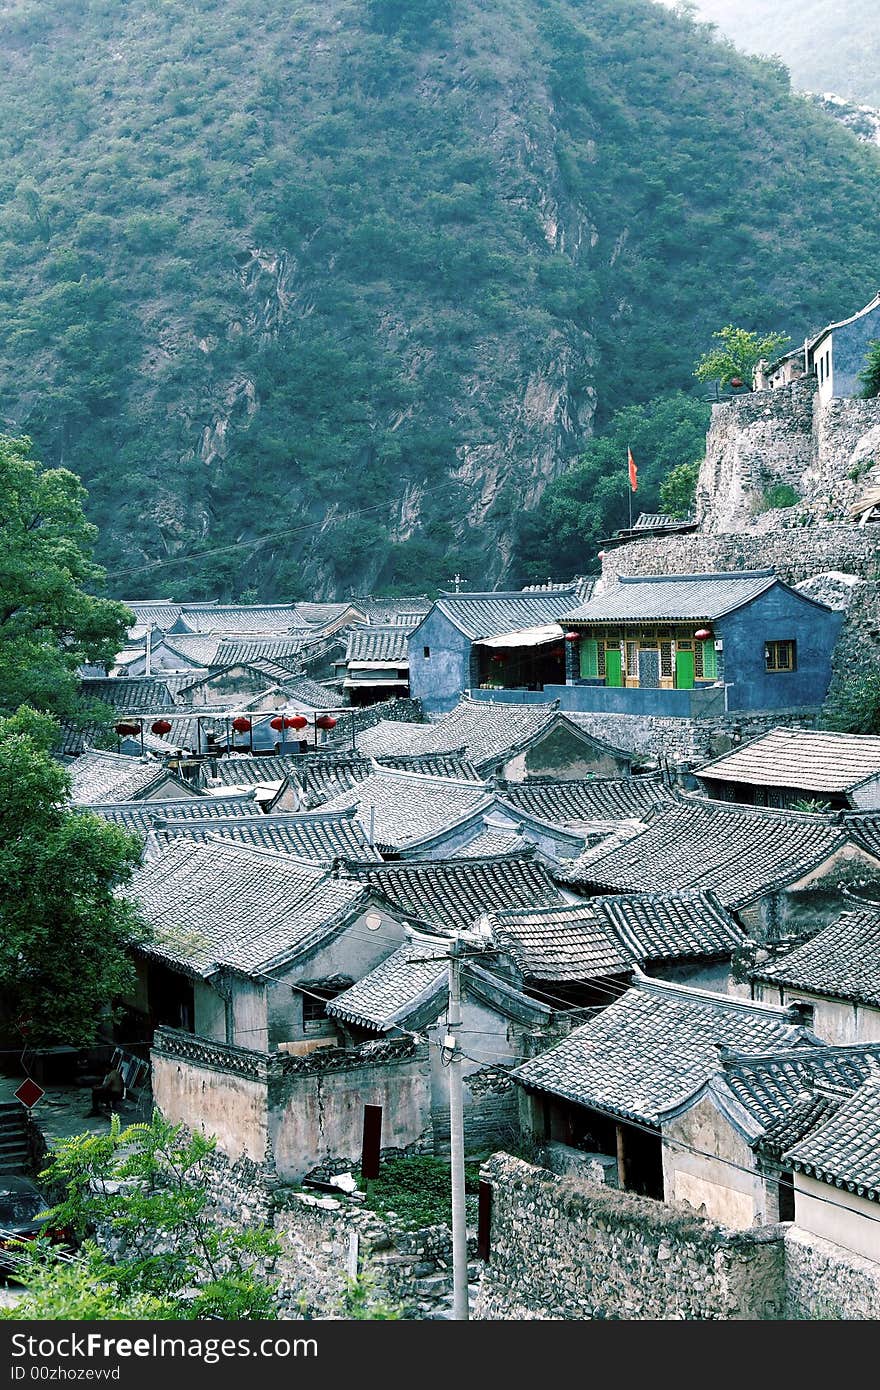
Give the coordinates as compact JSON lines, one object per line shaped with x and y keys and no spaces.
{"x":829,"y":455}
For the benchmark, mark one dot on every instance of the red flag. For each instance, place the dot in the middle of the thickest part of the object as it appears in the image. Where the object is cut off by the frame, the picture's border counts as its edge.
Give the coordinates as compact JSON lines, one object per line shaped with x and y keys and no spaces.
{"x":633,"y":471}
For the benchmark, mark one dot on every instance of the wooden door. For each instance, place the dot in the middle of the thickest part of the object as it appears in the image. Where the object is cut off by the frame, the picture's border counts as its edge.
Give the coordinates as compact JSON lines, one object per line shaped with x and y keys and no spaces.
{"x":613,"y":667}
{"x":684,"y":670}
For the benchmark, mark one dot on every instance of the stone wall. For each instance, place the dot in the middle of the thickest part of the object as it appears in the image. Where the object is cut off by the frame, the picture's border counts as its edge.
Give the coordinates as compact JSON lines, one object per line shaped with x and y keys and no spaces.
{"x":828,"y":453}
{"x":689,"y":740}
{"x":564,"y":1248}
{"x":795,"y":552}
{"x":825,"y":1282}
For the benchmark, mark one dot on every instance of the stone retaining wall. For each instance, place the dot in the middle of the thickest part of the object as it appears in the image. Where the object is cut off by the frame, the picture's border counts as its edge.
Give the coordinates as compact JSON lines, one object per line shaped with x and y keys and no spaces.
{"x":689,"y":740}
{"x":825,"y":1282}
{"x":565,"y":1248}
{"x":795,"y":552}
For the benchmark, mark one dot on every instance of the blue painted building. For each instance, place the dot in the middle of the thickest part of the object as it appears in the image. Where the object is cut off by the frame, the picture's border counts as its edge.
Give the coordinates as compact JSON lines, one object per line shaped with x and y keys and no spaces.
{"x":489,"y":642}
{"x":696,"y":644}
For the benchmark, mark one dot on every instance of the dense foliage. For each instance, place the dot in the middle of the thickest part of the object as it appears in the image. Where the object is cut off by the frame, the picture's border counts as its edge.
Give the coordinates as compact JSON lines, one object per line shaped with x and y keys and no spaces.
{"x":145,"y":1187}
{"x":418,"y":1189}
{"x":853,"y":705}
{"x":64,"y":933}
{"x":377,"y":264}
{"x":49,"y":624}
{"x":869,"y":379}
{"x":737,"y":354}
{"x":591,"y":500}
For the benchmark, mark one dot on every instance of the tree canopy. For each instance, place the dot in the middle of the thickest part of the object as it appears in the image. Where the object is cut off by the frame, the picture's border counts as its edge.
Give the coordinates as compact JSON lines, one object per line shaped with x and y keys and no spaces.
{"x":64,"y":933}
{"x":145,"y":1188}
{"x":590,"y":500}
{"x":49,"y":623}
{"x":738,"y":355}
{"x":869,"y":377}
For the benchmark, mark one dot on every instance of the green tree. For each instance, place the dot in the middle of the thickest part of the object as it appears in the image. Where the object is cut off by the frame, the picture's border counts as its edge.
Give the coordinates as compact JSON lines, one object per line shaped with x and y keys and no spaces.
{"x":678,"y":489}
{"x":853,"y":706}
{"x":739,"y":353}
{"x":146,"y":1189}
{"x":64,"y":932}
{"x":870,"y":374}
{"x":583,"y":506}
{"x":49,"y":623}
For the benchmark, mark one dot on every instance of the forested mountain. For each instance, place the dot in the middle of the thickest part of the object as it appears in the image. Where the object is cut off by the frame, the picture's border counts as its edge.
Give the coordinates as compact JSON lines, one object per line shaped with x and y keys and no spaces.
{"x":371,"y":272}
{"x":829,"y":45}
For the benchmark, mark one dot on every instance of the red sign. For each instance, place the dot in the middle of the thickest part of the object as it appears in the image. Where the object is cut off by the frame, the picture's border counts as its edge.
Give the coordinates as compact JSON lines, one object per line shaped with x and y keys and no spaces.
{"x":29,"y":1093}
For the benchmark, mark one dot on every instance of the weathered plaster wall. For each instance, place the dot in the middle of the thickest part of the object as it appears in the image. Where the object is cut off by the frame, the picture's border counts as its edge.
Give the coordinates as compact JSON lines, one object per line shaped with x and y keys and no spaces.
{"x":316,"y":1105}
{"x":561,"y":754}
{"x":835,"y":1021}
{"x":563,"y":1248}
{"x":707,"y":1163}
{"x":833,"y":1214}
{"x":232,"y":1105}
{"x":437,"y":680}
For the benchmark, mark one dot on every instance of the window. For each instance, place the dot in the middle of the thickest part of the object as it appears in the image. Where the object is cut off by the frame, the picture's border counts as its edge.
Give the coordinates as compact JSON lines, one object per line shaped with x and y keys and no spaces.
{"x":632,"y":659}
{"x":666,"y":665}
{"x":314,"y":1004}
{"x":780,"y":656}
{"x":426,"y":653}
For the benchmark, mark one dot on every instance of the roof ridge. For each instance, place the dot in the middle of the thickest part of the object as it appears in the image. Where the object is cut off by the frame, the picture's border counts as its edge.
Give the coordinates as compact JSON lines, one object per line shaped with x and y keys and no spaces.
{"x":708,"y":574}
{"x":651,"y":985}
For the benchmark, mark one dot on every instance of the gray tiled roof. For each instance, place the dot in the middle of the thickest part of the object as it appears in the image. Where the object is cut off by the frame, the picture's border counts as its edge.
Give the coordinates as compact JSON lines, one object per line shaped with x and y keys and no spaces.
{"x":324,"y":777}
{"x":436,"y":764}
{"x":407,"y":612}
{"x":221,"y":903}
{"x":197,"y":649}
{"x":236,"y":619}
{"x":803,"y":1116}
{"x":141,"y":816}
{"x":314,"y":836}
{"x":800,"y":758}
{"x":674,"y":597}
{"x":845,"y":1150}
{"x":234,"y":770}
{"x":385,"y":643}
{"x":865,"y":830}
{"x":562,"y":943}
{"x":492,"y":614}
{"x":486,"y":730}
{"x":99,"y":776}
{"x":596,"y":798}
{"x":308,"y":694}
{"x":492,"y":843}
{"x":737,"y":852}
{"x":653,"y":1046}
{"x":157,"y":612}
{"x":672,"y":926}
{"x":451,"y":894}
{"x":321,"y":615}
{"x":405,"y":807}
{"x":230,"y":651}
{"x":395,"y":989}
{"x":125,"y":694}
{"x":650,"y":521}
{"x":769,"y":1084}
{"x":842,"y":961}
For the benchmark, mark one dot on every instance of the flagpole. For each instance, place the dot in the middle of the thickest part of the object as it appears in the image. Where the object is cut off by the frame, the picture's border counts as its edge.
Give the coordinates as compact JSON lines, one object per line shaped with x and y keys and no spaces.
{"x":629,"y":487}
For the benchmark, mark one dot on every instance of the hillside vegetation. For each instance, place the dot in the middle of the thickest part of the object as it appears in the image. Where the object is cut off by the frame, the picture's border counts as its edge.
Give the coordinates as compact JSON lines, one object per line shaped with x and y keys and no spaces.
{"x":371,"y":274}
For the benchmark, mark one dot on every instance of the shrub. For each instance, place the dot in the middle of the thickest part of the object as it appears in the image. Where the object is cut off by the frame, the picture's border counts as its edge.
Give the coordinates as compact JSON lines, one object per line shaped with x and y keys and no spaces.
{"x":775,"y":497}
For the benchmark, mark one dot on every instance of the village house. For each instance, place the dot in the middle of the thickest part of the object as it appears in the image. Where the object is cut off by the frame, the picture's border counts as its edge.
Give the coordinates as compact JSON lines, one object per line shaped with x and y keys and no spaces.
{"x":317,"y":837}
{"x":501,"y":1026}
{"x":603,"y":1089}
{"x":835,"y":356}
{"x":836,"y":1169}
{"x":376,"y":664}
{"x":786,"y":766}
{"x":477,"y":641}
{"x":602,"y":802}
{"x":697,"y":645}
{"x":684,"y":937}
{"x":778,"y":872}
{"x":834,"y":978}
{"x":515,"y":742}
{"x":499,"y":829}
{"x":725,"y":1143}
{"x":97,"y":776}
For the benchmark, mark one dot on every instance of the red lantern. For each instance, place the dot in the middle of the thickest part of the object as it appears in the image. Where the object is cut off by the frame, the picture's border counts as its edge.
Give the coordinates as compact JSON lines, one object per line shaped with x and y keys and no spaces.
{"x":161,"y":727}
{"x":277,"y":723}
{"x":572,"y":637}
{"x":736,"y":381}
{"x":702,"y":634}
{"x":128,"y":730}
{"x":241,"y":725}
{"x":325,"y":721}
{"x":297,"y":722}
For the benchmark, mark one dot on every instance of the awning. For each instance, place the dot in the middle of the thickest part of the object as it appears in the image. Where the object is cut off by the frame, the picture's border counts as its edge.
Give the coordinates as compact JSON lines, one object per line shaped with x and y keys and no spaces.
{"x":525,"y":637}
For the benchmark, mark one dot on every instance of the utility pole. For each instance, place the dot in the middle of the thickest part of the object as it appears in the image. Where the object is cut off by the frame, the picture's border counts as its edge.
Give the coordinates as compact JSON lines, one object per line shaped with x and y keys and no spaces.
{"x":458,"y":581}
{"x":451,"y":1045}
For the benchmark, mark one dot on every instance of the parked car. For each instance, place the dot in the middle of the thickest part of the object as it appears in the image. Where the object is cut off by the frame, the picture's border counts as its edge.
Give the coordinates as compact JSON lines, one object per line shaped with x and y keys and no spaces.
{"x":21,"y":1205}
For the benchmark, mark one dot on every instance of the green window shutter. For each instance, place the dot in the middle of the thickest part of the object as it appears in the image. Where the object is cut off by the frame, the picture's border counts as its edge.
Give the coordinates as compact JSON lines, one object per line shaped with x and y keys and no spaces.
{"x":710,"y":660}
{"x":589,"y":657}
